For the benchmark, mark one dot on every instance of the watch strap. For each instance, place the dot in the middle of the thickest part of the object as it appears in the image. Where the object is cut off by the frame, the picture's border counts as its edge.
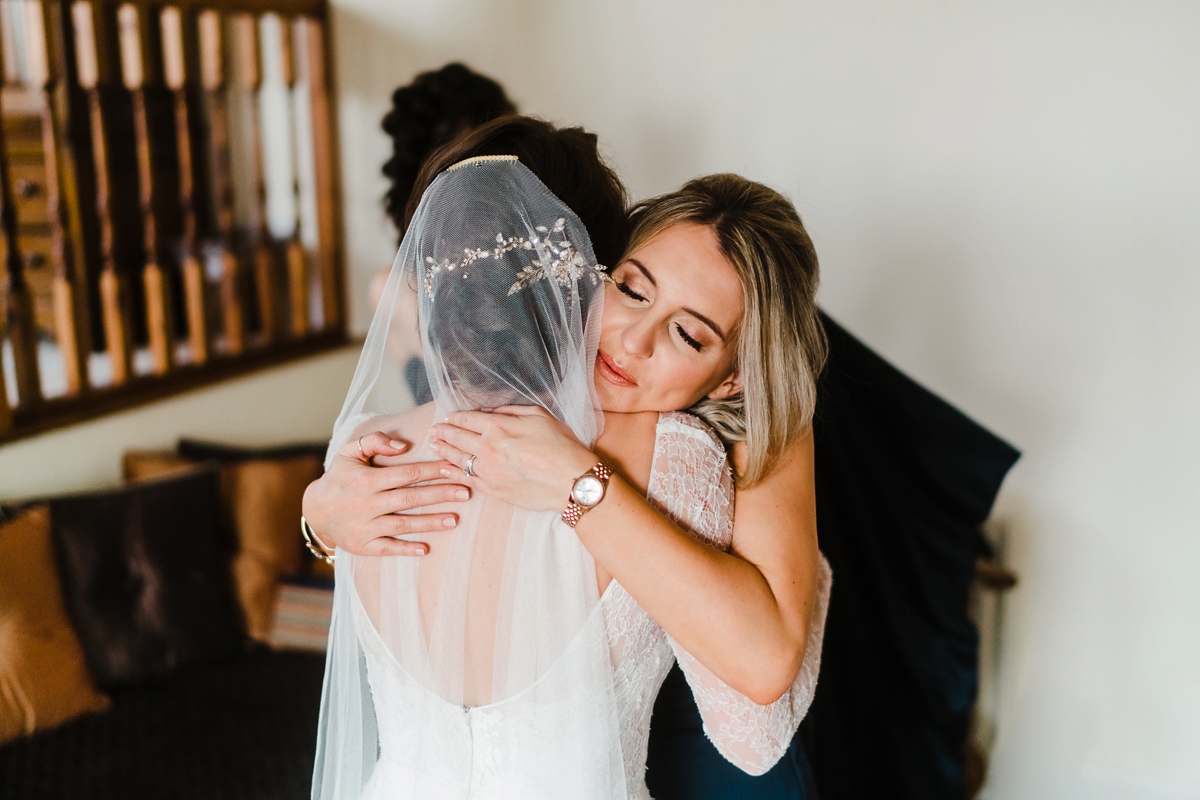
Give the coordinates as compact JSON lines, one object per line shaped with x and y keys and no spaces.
{"x":574,"y":511}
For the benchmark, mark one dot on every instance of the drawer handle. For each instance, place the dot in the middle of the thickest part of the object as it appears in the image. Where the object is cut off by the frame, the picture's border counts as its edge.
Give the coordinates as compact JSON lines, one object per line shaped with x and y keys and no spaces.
{"x":35,"y":260}
{"x":27,"y":188}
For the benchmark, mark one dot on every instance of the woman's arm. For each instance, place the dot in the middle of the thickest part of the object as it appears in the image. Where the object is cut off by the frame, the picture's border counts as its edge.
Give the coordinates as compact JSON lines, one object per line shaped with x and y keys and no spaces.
{"x":743,"y":614}
{"x":358,"y":505}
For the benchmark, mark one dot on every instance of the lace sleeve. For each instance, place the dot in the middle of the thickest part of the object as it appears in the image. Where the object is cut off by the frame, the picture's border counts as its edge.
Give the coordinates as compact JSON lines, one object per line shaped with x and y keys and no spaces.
{"x":691,"y":483}
{"x":750,"y":736}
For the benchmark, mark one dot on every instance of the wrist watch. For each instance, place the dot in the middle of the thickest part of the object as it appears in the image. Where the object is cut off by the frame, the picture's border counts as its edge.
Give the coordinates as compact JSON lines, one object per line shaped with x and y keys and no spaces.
{"x":587,"y":492}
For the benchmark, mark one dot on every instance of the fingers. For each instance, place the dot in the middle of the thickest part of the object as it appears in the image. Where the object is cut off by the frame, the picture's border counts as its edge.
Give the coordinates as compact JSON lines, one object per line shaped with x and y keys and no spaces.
{"x":392,"y":525}
{"x":377,"y":443}
{"x":456,"y":457}
{"x":407,"y":498}
{"x":464,"y":440}
{"x":381,"y":479}
{"x":469,"y":420}
{"x":386,"y":546}
{"x":520,"y":411}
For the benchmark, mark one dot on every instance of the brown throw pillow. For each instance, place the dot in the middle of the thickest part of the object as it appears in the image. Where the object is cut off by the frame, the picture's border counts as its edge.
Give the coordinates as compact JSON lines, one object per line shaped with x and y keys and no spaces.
{"x":146,"y":576}
{"x":265,"y":501}
{"x":43,"y":678}
{"x":262,"y":498}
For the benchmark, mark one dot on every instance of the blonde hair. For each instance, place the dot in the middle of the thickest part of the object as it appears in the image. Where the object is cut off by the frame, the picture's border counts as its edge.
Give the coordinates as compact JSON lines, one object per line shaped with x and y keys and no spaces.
{"x":781,"y":343}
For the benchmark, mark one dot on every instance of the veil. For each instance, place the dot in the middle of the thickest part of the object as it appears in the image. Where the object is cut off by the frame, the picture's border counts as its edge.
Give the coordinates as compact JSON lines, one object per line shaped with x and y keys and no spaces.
{"x":482,"y":668}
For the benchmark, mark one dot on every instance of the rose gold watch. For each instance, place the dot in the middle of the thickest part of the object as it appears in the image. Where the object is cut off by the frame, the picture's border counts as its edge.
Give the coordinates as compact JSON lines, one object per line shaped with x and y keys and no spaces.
{"x":587,"y":492}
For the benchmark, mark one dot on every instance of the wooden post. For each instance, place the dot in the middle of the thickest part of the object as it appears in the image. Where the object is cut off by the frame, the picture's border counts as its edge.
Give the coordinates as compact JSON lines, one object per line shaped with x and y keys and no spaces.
{"x":135,"y":64}
{"x":18,"y":298}
{"x":212,"y":78}
{"x":311,"y":44}
{"x":93,"y":66}
{"x":47,"y":63}
{"x":297,"y":275}
{"x":176,"y":72}
{"x":248,"y":54}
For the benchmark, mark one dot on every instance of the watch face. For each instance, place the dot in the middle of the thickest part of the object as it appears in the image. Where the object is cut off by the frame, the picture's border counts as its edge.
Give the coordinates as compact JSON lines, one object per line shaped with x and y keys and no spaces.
{"x":588,"y":491}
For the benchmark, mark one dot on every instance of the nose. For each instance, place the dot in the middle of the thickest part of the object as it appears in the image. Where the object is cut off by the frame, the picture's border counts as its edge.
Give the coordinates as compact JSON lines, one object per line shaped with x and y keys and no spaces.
{"x":638,"y":339}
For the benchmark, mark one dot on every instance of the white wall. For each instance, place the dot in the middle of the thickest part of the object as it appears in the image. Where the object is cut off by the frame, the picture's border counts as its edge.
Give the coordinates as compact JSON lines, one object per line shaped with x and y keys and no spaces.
{"x":1005,"y":198}
{"x":297,"y":402}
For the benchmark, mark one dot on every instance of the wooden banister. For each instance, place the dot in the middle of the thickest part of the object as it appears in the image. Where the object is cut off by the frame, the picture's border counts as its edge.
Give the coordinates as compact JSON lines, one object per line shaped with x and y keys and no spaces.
{"x":310,"y":51}
{"x":212,"y":72}
{"x":297,"y":273}
{"x":248,"y":53}
{"x":95,"y":66}
{"x":137,"y":70}
{"x":125,"y":224}
{"x":72,"y":318}
{"x":18,"y":299}
{"x":179,"y":71}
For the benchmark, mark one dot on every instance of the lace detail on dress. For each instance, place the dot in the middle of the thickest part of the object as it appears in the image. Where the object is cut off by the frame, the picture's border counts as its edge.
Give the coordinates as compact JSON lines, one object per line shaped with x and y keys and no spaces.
{"x":751,"y":736}
{"x":692,"y":484}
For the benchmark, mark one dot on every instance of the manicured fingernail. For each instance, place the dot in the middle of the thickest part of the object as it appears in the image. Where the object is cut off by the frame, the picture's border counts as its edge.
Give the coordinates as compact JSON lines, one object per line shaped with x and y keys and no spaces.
{"x":435,"y":445}
{"x":423,"y":550}
{"x":397,"y":445}
{"x":449,"y":522}
{"x":446,"y":472}
{"x":462,"y":494}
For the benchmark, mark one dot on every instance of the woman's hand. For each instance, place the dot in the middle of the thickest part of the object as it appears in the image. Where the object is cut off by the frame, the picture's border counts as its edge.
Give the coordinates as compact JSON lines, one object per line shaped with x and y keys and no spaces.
{"x":358,"y":504}
{"x":523,"y":455}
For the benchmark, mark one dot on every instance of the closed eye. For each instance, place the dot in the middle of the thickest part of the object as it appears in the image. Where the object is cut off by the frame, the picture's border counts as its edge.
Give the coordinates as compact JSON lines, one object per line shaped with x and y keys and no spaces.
{"x":692,"y":343}
{"x":624,"y":287}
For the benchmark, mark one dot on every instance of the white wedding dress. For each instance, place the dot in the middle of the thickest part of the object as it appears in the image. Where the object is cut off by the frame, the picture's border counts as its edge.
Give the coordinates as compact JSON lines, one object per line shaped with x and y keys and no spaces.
{"x":503,"y":751}
{"x":493,"y":667}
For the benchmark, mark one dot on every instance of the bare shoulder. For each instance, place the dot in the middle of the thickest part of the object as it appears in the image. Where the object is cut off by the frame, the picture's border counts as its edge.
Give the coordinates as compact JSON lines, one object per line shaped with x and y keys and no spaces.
{"x":409,"y":426}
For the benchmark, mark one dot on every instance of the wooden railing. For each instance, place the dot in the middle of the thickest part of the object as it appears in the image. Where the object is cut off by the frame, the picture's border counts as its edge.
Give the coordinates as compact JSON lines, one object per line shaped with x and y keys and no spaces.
{"x":167,"y":199}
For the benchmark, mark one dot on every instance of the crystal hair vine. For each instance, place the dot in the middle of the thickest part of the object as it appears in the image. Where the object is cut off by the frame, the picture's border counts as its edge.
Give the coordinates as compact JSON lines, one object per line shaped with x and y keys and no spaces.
{"x":558,"y":261}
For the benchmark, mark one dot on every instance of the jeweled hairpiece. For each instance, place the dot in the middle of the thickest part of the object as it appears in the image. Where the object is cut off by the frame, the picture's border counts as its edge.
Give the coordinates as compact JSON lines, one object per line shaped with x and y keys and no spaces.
{"x":557,"y":260}
{"x":466,"y":162}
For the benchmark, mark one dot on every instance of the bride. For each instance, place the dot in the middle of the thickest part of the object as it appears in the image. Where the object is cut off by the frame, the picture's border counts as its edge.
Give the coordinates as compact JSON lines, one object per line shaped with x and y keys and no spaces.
{"x":507,"y":663}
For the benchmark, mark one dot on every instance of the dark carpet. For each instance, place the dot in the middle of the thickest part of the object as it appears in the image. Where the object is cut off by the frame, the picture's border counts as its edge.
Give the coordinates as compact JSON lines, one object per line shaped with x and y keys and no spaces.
{"x":243,"y":728}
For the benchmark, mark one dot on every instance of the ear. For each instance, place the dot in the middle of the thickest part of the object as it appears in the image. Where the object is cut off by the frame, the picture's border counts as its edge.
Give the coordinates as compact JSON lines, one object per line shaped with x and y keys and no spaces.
{"x":728,"y":388}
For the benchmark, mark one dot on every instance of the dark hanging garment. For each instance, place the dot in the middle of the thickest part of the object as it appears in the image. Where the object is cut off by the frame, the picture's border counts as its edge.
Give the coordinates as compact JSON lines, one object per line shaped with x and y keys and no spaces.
{"x":904,"y":481}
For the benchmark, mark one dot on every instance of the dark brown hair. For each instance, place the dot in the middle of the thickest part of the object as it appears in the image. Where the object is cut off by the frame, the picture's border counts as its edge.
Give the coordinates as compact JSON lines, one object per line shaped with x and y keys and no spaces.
{"x":567,"y":160}
{"x":437,"y":106}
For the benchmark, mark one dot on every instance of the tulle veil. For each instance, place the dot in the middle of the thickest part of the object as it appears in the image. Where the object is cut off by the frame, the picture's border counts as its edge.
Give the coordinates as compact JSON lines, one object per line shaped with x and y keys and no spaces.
{"x":481,"y":669}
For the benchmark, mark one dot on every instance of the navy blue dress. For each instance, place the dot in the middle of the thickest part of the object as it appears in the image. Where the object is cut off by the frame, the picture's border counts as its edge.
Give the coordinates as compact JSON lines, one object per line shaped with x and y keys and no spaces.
{"x":684,"y":765}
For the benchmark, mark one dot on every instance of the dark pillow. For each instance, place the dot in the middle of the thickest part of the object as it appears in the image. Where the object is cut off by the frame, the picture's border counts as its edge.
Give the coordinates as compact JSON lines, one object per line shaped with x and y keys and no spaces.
{"x":198,"y":450}
{"x":146,"y":576}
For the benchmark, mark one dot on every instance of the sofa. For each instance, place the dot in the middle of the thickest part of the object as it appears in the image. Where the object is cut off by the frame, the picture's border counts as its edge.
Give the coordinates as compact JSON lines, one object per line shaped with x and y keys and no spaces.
{"x":163,"y":639}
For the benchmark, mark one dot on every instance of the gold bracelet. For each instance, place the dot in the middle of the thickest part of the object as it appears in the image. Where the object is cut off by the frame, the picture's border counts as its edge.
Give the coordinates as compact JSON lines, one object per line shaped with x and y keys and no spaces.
{"x":315,"y":545}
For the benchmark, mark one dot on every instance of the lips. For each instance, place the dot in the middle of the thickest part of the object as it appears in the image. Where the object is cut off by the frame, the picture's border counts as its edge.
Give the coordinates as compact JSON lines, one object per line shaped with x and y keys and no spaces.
{"x":611,"y":372}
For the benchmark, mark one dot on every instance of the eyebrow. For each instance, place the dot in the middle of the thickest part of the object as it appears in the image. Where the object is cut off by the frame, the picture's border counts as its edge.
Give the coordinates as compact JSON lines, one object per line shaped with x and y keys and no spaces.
{"x":645,"y":271}
{"x":715,"y":327}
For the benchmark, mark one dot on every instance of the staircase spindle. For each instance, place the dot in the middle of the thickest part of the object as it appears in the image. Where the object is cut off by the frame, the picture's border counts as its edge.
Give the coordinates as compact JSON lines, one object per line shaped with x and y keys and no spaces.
{"x":135,"y":64}
{"x":248,"y":53}
{"x":176,"y":62}
{"x":310,"y":55}
{"x":48,"y":66}
{"x":94,"y":66}
{"x":297,"y":274}
{"x":212,"y":78}
{"x":18,"y":298}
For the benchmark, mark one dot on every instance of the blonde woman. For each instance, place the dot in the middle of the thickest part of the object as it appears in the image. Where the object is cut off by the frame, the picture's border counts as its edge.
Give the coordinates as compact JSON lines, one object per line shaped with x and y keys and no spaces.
{"x":711,"y":311}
